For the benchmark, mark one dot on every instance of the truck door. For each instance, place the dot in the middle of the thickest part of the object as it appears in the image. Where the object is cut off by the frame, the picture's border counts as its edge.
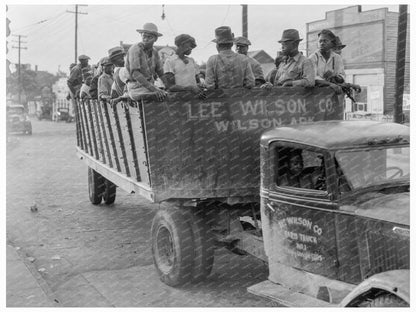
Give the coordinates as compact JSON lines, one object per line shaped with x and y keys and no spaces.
{"x":298,"y":216}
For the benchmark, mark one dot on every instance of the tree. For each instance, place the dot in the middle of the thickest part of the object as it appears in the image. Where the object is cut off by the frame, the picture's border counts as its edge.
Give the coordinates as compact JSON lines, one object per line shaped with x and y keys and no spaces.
{"x":32,"y":83}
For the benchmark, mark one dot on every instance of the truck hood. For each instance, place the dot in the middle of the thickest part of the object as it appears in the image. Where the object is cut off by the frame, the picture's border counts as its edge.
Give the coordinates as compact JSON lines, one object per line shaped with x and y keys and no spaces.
{"x":393,"y":208}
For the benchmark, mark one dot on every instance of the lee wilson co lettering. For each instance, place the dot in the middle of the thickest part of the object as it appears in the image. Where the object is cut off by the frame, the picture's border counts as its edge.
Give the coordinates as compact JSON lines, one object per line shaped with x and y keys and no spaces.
{"x":256,"y":114}
{"x":303,"y":241}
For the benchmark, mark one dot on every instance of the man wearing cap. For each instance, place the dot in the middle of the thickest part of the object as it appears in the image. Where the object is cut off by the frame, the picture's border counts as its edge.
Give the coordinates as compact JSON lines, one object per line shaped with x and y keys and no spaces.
{"x":85,"y":88}
{"x":296,"y":70}
{"x":120,"y":76}
{"x":242,"y":44}
{"x":144,"y":65}
{"x":96,"y":73}
{"x":75,"y":79}
{"x":181,"y":71}
{"x":329,"y":68}
{"x":105,"y":81}
{"x":227,"y":69}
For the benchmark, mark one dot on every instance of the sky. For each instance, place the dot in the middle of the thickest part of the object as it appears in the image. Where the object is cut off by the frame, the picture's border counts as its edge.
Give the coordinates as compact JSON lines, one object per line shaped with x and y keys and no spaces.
{"x":48,"y":31}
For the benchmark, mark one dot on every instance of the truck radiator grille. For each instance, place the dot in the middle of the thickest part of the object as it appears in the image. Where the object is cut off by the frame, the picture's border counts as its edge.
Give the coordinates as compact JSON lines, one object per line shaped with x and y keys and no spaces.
{"x":387,"y":253}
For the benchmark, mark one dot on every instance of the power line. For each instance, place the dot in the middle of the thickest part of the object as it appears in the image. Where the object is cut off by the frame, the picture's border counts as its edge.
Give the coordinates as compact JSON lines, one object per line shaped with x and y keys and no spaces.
{"x":226,"y":15}
{"x":40,"y":22}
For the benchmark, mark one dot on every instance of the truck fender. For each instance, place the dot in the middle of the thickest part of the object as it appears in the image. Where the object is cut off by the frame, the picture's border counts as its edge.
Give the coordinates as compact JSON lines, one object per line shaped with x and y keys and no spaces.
{"x":396,"y":282}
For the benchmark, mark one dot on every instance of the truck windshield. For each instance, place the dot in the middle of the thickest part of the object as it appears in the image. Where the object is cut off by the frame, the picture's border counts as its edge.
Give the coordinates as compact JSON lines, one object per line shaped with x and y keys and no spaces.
{"x":363,"y":168}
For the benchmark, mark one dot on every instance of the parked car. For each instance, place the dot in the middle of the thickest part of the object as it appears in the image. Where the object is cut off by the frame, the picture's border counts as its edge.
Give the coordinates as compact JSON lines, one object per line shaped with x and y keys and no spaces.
{"x":62,"y":113}
{"x":18,"y":120}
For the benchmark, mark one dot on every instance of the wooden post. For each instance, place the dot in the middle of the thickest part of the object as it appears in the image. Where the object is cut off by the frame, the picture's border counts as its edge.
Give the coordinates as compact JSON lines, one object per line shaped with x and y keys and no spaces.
{"x":400,"y":63}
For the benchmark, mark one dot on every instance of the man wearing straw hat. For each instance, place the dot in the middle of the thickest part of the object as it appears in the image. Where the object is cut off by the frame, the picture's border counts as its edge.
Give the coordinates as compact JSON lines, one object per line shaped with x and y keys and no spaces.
{"x":296,"y":70}
{"x":227,"y":69}
{"x":144,"y":65}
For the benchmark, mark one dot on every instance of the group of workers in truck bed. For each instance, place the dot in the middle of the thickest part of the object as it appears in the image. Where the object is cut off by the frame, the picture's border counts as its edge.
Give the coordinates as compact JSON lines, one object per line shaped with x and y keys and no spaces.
{"x":136,"y":74}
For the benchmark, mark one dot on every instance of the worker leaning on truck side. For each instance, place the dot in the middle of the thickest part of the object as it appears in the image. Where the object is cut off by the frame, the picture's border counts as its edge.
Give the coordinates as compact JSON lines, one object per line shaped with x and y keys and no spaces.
{"x":181,"y":73}
{"x":120,"y":75}
{"x":105,"y":81}
{"x":329,"y":68}
{"x":75,"y":79}
{"x":242,"y":44}
{"x":227,"y":69}
{"x":144,"y":65}
{"x":86,"y":85}
{"x":296,"y":70}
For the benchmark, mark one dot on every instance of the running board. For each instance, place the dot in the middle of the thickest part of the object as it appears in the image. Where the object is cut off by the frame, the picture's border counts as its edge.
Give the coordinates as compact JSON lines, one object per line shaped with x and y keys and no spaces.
{"x":285,"y":296}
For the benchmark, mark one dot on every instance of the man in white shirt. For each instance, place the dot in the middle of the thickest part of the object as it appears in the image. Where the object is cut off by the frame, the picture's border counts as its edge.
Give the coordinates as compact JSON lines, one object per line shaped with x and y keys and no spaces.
{"x":181,"y":73}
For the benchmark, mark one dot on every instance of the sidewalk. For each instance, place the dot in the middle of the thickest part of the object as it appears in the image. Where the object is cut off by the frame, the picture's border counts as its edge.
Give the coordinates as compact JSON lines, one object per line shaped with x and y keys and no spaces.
{"x":23,"y":288}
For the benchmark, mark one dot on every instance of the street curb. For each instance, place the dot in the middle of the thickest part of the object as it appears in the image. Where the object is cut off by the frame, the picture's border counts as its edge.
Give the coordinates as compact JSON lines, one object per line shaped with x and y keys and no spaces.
{"x":37,"y":276}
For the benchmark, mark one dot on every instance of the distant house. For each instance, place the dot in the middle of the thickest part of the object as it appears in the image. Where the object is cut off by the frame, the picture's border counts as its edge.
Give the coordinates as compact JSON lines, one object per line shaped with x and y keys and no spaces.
{"x":60,"y":88}
{"x":265,"y":60}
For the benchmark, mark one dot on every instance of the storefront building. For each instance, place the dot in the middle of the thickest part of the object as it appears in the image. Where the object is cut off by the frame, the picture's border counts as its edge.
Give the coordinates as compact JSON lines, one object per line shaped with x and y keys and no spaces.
{"x":369,"y":56}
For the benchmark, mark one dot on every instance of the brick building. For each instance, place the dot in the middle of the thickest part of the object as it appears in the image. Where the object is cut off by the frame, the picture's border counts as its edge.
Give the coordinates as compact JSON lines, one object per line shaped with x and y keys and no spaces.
{"x":369,"y":56}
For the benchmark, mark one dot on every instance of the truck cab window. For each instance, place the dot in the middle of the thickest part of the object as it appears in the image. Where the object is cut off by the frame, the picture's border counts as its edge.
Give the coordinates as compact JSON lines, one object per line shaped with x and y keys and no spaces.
{"x":300,"y":168}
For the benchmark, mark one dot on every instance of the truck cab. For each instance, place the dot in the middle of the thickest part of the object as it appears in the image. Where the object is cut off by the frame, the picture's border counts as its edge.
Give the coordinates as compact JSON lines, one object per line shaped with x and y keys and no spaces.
{"x":335,"y":214}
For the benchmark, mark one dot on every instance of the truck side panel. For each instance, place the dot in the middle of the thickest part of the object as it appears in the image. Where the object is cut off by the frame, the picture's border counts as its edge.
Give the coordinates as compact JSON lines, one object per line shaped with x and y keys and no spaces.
{"x":210,"y":148}
{"x":186,"y":147}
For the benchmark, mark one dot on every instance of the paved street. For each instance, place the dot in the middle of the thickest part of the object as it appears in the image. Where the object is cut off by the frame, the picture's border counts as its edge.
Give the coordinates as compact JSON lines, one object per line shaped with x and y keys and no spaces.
{"x":81,"y":255}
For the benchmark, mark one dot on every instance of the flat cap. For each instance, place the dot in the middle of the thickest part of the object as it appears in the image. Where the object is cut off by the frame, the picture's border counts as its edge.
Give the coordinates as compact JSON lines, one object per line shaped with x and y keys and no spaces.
{"x":242,"y":41}
{"x":105,"y":61}
{"x":83,"y":57}
{"x":184,"y":38}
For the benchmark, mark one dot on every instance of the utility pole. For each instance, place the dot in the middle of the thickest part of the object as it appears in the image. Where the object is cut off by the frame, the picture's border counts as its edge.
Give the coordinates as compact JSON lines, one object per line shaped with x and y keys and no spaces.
{"x":400,"y":63}
{"x":19,"y":47}
{"x":245,"y":22}
{"x":76,"y":27}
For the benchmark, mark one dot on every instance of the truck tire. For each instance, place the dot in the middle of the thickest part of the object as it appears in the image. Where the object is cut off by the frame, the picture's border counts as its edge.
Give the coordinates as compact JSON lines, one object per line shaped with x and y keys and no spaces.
{"x":387,"y":300}
{"x":172,"y":245}
{"x":96,"y":186}
{"x":204,"y":244}
{"x":109,"y":195}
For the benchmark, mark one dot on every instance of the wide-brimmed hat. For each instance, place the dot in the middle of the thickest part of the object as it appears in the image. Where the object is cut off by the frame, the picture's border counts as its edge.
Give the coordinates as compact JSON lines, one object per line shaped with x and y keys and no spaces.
{"x":290,"y":35}
{"x":116,"y":51}
{"x":338,"y":44}
{"x":223,"y":34}
{"x":242,"y":41}
{"x":184,"y":38}
{"x":149,"y":28}
{"x":83,"y":57}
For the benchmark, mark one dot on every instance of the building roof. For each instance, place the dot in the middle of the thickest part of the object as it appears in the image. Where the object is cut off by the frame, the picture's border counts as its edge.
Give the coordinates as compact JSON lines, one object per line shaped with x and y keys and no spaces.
{"x":261,"y":56}
{"x":340,"y":134}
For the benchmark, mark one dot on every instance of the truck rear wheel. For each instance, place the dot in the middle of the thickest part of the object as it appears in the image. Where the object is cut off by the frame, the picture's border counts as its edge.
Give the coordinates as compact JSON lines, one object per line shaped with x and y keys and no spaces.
{"x":109,"y":195}
{"x":96,"y":186}
{"x":388,"y":300}
{"x":172,"y":246}
{"x":204,"y":244}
